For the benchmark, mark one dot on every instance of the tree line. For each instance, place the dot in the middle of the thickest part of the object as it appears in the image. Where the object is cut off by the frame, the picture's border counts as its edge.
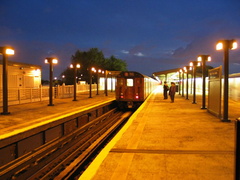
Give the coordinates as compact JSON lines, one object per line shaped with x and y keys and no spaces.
{"x":88,"y":59}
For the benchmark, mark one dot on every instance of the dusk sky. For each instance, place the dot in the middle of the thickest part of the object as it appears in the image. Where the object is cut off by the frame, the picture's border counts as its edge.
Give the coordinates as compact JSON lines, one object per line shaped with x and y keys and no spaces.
{"x":151,"y":35}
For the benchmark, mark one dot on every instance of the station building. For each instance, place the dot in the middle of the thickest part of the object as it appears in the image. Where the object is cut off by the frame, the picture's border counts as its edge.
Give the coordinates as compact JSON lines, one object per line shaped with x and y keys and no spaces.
{"x":22,"y":75}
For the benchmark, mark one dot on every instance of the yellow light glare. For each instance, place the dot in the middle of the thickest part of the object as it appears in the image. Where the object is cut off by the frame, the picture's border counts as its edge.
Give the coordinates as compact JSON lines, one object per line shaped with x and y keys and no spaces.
{"x":191,"y":64}
{"x":199,"y":58}
{"x":209,"y":58}
{"x":9,"y":51}
{"x":36,"y":72}
{"x":71,"y":65}
{"x":219,"y":46}
{"x":54,"y":61}
{"x":234,"y":45}
{"x":51,"y":60}
{"x":78,"y":66}
{"x":185,"y":69}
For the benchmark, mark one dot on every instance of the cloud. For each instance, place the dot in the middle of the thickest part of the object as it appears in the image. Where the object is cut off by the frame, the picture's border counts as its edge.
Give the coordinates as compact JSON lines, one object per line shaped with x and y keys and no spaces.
{"x":139,"y":54}
{"x":125,"y":52}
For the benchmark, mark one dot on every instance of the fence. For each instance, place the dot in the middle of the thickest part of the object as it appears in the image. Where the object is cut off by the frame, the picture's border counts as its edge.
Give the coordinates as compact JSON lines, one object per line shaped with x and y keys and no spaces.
{"x":27,"y":95}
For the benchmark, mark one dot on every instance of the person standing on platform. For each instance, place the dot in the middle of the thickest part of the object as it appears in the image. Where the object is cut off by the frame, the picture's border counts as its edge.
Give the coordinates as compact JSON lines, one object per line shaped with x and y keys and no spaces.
{"x":165,"y":90}
{"x":172,"y":91}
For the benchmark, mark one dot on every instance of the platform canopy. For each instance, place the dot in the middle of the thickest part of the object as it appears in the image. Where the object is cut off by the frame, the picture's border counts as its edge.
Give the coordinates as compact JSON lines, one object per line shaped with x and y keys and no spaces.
{"x":167,"y":75}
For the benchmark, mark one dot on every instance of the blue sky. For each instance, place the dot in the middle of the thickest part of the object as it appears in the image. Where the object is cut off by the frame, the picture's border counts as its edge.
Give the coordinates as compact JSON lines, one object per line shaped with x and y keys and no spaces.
{"x":151,"y":35}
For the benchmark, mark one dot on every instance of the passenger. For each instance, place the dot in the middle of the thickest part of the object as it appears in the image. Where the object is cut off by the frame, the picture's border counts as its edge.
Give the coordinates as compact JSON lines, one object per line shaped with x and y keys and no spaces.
{"x":172,"y":91}
{"x":165,"y":90}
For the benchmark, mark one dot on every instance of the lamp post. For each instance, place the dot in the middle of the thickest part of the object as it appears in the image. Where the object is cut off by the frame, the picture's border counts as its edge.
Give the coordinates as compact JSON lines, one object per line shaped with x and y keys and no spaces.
{"x":182,"y":71}
{"x":63,"y":79}
{"x":51,"y":61}
{"x":179,"y":84}
{"x":186,"y":69}
{"x":106,"y":83}
{"x":5,"y":51}
{"x":90,"y":81}
{"x":75,"y":66}
{"x":225,"y":45}
{"x":194,"y":64}
{"x":203,"y":59}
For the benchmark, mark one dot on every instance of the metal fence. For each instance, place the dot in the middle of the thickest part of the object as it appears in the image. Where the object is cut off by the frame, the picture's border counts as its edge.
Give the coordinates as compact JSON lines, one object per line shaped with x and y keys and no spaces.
{"x":26,"y":95}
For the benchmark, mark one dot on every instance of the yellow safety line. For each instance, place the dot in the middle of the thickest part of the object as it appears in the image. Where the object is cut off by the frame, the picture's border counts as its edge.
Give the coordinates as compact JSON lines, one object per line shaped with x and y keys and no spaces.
{"x":93,"y":167}
{"x":4,"y":136}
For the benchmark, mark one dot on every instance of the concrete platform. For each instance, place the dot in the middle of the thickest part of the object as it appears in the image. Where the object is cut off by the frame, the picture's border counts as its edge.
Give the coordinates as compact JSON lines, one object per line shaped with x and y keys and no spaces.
{"x":30,"y":115}
{"x":169,"y":141}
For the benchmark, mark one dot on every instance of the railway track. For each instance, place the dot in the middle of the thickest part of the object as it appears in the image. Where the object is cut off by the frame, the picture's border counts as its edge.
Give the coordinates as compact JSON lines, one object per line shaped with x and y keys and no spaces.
{"x":68,"y":156}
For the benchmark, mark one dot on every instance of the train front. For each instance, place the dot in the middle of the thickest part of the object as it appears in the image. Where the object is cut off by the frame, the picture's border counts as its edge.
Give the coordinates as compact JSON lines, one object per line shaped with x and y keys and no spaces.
{"x":130,"y":89}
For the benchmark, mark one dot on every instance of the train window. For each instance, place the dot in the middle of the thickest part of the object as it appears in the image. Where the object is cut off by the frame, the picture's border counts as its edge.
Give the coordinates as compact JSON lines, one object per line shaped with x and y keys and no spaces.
{"x":130,"y":82}
{"x":120,"y":81}
{"x":126,"y":74}
{"x":131,"y":74}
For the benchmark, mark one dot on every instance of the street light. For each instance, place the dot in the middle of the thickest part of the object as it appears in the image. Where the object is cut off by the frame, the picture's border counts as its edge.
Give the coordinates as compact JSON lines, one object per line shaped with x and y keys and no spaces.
{"x":226,"y":45}
{"x":203,"y":59}
{"x":106,"y":82}
{"x":187,"y":69}
{"x":179,"y":84}
{"x":5,"y":51}
{"x":51,"y":61}
{"x":182,"y":71}
{"x":63,"y":79}
{"x":90,"y":83}
{"x":194,"y":64}
{"x":75,"y":66}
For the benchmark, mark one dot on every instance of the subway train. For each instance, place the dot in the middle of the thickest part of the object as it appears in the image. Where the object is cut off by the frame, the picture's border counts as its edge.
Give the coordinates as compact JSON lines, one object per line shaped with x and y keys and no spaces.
{"x":132,"y":88}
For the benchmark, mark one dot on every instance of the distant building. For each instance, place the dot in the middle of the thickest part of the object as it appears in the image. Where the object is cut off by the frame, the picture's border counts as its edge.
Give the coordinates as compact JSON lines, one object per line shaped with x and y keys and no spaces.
{"x":21,"y":75}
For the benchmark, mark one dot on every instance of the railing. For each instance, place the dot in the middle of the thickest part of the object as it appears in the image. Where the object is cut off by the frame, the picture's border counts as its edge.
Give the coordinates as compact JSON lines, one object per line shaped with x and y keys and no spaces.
{"x":26,"y":95}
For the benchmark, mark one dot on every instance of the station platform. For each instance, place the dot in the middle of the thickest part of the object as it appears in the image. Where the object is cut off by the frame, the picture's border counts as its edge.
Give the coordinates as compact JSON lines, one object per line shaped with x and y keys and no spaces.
{"x":30,"y":115}
{"x":169,"y":141}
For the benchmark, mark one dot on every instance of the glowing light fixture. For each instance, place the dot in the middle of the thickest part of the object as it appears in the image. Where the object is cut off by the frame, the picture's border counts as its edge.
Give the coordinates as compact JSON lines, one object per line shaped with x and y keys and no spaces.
{"x":9,"y":51}
{"x":75,"y":66}
{"x":5,"y":51}
{"x":225,"y":45}
{"x":204,"y":57}
{"x":51,"y":61}
{"x":229,"y":44}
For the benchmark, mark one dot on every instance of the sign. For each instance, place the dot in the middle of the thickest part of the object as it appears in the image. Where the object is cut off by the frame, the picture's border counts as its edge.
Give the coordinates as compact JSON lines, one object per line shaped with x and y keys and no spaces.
{"x":215,"y":90}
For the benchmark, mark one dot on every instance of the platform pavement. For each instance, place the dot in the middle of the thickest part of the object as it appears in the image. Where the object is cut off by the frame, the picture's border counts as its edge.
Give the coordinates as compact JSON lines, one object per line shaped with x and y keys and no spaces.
{"x":24,"y":116}
{"x":169,"y":141}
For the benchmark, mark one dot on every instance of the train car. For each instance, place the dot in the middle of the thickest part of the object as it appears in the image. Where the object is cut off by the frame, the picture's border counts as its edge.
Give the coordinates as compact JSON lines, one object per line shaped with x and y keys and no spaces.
{"x":132,"y":88}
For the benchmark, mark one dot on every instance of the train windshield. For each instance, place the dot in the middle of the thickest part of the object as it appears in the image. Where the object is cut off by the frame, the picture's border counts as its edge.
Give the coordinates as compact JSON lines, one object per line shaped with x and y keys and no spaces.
{"x":130,"y":82}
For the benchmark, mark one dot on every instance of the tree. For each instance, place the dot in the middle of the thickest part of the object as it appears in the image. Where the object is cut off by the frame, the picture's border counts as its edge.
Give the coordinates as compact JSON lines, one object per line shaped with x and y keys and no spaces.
{"x":89,"y":59}
{"x":114,"y":64}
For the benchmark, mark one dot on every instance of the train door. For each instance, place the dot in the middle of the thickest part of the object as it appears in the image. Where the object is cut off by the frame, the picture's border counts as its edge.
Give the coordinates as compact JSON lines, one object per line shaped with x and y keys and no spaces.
{"x":138,"y":87}
{"x":129,"y":92}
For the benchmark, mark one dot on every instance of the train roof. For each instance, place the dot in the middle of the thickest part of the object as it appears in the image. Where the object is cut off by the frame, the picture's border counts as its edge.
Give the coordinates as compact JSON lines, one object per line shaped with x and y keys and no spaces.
{"x":131,"y":74}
